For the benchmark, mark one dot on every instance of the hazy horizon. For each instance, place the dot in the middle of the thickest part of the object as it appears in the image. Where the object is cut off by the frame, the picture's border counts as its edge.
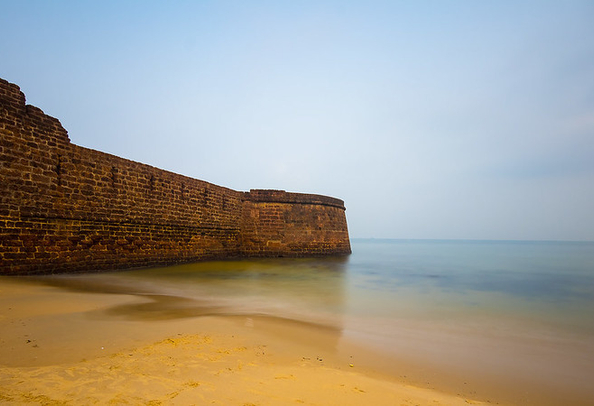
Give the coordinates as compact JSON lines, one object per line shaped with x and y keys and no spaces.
{"x":432,"y":120}
{"x":466,"y":240}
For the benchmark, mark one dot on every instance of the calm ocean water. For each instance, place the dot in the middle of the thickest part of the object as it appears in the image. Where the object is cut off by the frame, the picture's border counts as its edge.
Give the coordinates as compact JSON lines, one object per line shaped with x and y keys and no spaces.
{"x":525,"y":307}
{"x":546,"y":284}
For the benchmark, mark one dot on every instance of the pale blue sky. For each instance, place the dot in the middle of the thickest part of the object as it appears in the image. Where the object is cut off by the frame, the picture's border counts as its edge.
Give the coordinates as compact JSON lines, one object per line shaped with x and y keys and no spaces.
{"x":431,"y":119}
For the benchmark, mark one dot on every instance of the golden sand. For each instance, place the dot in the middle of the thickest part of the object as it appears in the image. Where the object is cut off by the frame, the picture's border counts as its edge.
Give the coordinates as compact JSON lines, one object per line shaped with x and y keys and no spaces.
{"x":61,"y":348}
{"x":204,"y":369}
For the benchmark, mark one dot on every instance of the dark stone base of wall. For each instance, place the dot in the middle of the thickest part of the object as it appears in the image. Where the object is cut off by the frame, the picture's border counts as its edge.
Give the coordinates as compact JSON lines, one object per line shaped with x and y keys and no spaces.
{"x":38,"y":245}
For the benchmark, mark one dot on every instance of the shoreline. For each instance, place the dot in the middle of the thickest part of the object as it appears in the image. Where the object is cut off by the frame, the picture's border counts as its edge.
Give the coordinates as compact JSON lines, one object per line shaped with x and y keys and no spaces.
{"x":58,"y":347}
{"x":60,"y":342}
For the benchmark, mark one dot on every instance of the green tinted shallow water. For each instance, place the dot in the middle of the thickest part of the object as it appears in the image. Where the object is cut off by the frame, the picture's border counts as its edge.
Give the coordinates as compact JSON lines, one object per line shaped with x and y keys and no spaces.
{"x":524,"y":306}
{"x":546,"y":284}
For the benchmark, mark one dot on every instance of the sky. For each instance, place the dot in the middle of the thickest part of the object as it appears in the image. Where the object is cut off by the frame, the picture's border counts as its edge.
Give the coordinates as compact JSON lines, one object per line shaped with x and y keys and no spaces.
{"x":430,"y":119}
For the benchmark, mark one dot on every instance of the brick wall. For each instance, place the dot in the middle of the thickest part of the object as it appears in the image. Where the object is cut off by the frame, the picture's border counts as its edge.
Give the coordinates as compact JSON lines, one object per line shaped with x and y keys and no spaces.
{"x":277,"y":223}
{"x":65,"y":208}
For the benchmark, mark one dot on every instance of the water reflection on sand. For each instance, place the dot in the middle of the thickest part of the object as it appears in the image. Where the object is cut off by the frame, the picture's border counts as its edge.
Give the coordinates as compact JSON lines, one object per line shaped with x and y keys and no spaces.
{"x":304,"y":290}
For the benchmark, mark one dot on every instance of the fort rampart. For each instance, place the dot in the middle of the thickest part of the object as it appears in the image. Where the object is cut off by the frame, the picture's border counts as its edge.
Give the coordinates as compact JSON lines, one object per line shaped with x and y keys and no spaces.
{"x":66,"y":208}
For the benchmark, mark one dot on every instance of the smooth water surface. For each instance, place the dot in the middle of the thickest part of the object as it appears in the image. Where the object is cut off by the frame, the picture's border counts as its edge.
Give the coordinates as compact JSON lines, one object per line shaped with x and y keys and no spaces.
{"x":517,"y":310}
{"x":534,"y":284}
{"x":551,"y":283}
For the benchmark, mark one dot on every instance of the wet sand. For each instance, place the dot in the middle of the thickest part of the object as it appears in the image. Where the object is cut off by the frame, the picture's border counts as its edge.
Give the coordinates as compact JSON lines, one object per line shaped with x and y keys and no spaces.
{"x":70,"y":347}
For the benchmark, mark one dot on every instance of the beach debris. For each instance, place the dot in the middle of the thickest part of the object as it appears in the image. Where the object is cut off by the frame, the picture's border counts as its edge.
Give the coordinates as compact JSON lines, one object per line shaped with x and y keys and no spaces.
{"x":351,"y":365}
{"x":290,"y":376}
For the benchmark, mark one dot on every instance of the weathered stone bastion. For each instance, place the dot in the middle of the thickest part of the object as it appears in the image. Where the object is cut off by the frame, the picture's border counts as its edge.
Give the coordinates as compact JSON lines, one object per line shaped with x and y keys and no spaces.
{"x":66,"y":208}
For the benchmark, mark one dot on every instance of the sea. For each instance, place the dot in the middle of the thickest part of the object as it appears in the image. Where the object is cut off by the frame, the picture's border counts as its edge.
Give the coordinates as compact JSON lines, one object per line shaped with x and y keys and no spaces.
{"x":508,"y":317}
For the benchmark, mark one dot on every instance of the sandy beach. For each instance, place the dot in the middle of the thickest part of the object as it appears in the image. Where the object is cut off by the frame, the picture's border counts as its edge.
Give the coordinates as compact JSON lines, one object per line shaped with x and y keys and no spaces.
{"x":62,"y":347}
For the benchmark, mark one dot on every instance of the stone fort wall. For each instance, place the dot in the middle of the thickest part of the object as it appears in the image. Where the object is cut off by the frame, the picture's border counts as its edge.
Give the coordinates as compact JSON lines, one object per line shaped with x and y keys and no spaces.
{"x":66,"y":208}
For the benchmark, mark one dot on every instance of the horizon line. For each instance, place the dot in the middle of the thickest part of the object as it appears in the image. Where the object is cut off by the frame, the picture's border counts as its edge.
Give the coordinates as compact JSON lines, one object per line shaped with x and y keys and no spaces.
{"x":467,"y":239}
